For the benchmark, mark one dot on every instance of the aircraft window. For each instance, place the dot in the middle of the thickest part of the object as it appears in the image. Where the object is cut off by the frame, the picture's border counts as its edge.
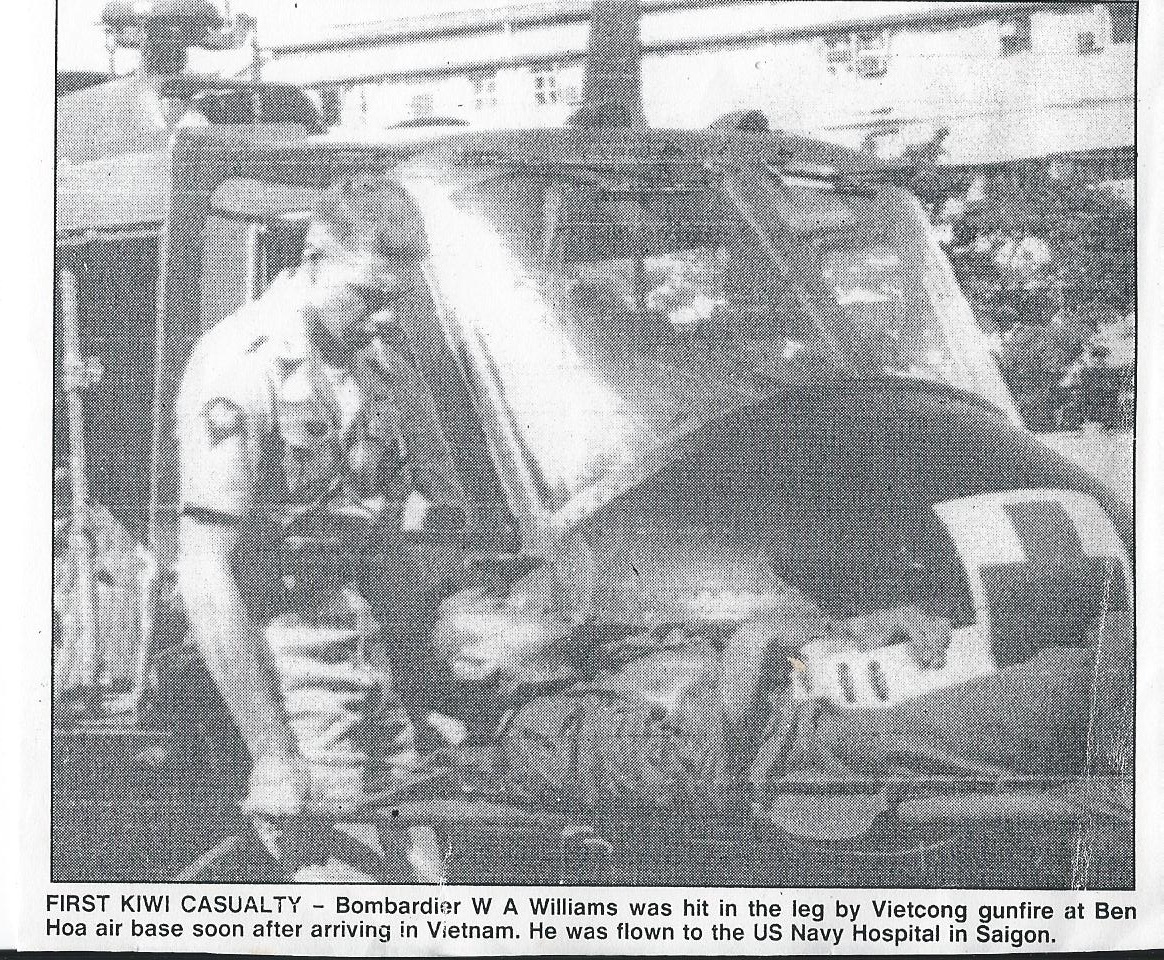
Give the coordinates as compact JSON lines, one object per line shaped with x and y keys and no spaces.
{"x":891,"y":280}
{"x":604,"y":314}
{"x":243,"y":256}
{"x":255,"y":231}
{"x":600,"y":320}
{"x":274,"y":246}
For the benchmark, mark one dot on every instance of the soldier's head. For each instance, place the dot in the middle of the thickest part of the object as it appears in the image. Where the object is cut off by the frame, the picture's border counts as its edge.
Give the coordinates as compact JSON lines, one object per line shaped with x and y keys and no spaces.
{"x":362,"y":250}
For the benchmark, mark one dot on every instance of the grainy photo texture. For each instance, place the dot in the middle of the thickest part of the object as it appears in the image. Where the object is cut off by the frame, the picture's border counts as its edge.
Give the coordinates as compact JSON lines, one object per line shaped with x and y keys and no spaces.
{"x":674,"y":442}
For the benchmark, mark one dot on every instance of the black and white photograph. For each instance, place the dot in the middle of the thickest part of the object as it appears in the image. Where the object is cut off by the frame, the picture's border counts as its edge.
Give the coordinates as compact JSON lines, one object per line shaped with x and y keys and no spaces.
{"x":594,"y":443}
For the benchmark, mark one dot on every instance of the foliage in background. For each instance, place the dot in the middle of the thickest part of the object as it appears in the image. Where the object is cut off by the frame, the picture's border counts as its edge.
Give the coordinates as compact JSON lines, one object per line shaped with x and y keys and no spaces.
{"x":1047,"y":258}
{"x":1090,"y":233}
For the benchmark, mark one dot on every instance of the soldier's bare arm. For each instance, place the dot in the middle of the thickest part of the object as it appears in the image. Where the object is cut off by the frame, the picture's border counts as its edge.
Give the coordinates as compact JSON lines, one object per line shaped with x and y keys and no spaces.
{"x":239,"y":660}
{"x":221,"y":420}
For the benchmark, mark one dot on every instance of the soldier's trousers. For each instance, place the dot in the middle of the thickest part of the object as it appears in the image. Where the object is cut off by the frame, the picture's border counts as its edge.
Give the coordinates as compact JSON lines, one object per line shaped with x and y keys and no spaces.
{"x":357,"y":739}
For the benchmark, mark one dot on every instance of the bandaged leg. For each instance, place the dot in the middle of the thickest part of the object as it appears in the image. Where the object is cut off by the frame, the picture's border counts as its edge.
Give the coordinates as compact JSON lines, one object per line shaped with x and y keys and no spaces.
{"x":1052,"y":734}
{"x":1059,"y":714}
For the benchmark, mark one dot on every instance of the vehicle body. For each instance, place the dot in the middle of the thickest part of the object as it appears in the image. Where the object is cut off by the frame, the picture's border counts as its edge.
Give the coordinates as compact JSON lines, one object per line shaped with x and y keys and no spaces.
{"x":674,"y":368}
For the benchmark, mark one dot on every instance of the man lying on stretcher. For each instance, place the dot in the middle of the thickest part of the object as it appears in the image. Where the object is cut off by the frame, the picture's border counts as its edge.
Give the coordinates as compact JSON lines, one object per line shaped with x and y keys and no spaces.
{"x":684,"y":716}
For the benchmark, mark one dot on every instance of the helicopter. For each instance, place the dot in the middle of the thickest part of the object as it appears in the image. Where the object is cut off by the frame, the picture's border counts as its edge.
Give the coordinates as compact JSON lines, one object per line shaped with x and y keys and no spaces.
{"x":102,"y":115}
{"x":675,"y":367}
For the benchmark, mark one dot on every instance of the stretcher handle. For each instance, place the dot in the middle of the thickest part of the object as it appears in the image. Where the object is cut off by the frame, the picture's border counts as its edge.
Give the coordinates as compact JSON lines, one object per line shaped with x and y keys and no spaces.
{"x":431,"y":811}
{"x":449,"y":812}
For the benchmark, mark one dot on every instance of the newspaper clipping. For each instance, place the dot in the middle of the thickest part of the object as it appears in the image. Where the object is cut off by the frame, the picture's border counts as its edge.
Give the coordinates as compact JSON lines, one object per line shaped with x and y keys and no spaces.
{"x":586,"y":476}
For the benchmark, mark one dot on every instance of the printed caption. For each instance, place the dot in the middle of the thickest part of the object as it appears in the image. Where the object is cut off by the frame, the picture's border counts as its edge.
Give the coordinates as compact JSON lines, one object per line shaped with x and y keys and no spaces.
{"x":788,"y":921}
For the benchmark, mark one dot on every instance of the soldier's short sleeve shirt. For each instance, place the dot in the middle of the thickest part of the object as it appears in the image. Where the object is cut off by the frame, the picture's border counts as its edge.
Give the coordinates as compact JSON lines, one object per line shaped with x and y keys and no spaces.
{"x":224,"y":421}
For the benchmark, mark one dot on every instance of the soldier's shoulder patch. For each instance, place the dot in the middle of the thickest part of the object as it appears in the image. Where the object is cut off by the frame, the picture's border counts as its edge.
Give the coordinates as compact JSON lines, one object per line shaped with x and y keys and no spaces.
{"x":224,"y":418}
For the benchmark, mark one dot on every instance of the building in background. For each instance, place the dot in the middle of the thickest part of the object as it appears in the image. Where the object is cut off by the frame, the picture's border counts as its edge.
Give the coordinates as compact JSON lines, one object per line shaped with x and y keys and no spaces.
{"x":970,"y":84}
{"x":1028,"y":110}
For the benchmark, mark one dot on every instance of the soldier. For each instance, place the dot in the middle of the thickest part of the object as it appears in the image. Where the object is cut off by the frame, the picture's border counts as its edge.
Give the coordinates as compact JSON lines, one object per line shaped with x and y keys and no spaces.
{"x":633,"y":735}
{"x":293,"y":418}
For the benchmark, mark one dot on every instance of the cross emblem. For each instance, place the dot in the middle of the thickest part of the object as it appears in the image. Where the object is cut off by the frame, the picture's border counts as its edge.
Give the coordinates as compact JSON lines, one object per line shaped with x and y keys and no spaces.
{"x":1043,"y":565}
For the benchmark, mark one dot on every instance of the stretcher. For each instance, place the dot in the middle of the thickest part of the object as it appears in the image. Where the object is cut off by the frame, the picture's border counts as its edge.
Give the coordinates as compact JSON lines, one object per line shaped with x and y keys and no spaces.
{"x":941,"y":830}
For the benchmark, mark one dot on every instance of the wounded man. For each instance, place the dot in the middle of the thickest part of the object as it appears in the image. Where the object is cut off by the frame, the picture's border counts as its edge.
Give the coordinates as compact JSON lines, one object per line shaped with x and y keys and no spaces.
{"x":688,"y":719}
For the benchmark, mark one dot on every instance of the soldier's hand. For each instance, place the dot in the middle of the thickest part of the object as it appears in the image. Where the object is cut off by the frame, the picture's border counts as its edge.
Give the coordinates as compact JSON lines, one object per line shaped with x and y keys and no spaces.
{"x":280,"y":786}
{"x":928,"y":637}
